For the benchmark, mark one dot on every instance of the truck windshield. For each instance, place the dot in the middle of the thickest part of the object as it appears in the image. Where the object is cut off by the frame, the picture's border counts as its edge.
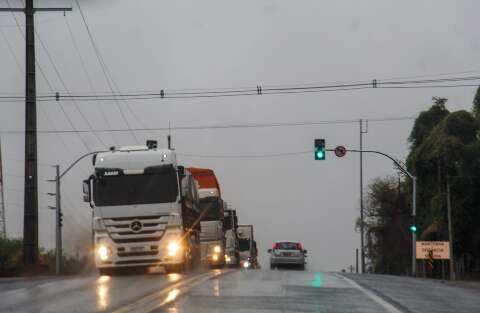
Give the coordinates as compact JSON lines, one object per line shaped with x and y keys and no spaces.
{"x":244,"y":244}
{"x":136,"y":189}
{"x":211,"y":208}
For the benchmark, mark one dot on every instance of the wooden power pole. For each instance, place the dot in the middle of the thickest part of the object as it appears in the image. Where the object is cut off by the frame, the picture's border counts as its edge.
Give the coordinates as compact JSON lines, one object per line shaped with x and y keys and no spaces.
{"x":30,"y":211}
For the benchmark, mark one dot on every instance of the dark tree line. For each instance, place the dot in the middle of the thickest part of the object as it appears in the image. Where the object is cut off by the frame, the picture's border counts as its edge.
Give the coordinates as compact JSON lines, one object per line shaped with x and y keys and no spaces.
{"x":444,"y":147}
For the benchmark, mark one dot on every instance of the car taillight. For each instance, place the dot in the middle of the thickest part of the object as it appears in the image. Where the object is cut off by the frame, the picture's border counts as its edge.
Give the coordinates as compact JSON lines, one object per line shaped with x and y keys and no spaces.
{"x":299,"y":246}
{"x":275,"y":246}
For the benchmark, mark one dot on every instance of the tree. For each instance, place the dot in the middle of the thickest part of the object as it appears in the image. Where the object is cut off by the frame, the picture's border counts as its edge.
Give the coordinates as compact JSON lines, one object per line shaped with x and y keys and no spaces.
{"x":476,"y":105}
{"x":10,"y":253}
{"x":387,"y":216}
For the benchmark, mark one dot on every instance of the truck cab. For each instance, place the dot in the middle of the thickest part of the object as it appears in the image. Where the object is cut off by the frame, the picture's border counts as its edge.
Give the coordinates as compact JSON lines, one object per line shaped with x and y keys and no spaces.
{"x":232,"y":256}
{"x":212,"y":236}
{"x":145,"y":208}
{"x":247,"y":246}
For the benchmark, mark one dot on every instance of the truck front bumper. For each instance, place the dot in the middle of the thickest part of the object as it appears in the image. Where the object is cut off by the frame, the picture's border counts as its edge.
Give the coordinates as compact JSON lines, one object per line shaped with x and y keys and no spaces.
{"x":109,"y":254}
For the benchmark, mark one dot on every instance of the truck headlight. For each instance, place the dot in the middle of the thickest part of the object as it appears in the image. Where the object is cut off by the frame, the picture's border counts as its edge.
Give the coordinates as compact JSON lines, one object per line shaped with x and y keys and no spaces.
{"x":104,"y":253}
{"x":246,"y":264}
{"x":173,"y":248}
{"x":215,"y":257}
{"x":227,"y":258}
{"x":217,"y":249}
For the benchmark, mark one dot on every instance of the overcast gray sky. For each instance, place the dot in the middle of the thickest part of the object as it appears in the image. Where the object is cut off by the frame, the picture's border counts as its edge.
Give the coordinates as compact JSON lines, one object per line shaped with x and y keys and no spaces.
{"x":153,"y":45}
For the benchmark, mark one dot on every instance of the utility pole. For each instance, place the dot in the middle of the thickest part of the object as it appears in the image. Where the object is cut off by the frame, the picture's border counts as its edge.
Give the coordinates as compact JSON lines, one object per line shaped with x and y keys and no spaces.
{"x":30,"y":211}
{"x":450,"y":231}
{"x":58,"y":221}
{"x":362,"y":231}
{"x":3,"y":222}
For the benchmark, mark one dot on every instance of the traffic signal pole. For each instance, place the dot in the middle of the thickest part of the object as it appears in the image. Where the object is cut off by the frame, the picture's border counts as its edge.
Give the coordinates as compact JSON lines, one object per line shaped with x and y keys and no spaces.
{"x":58,"y":203}
{"x":58,"y":220}
{"x":414,"y":197}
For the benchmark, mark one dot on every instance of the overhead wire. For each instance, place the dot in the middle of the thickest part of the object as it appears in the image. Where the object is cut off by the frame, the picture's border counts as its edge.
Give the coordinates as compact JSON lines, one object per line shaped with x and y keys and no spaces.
{"x":87,"y":75}
{"x":48,"y":84}
{"x":103,"y":66}
{"x":62,"y":81}
{"x":259,"y":90}
{"x":225,"y":126}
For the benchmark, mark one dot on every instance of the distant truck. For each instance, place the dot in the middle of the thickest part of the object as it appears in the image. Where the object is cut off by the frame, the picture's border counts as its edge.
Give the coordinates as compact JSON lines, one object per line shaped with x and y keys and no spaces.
{"x":232,"y":251}
{"x":212,"y":236}
{"x":248,"y":247}
{"x":145,"y":210}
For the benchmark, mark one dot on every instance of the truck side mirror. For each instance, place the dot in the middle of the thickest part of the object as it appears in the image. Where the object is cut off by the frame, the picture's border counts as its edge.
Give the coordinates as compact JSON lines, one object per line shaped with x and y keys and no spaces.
{"x":269,"y":251}
{"x":86,"y":190}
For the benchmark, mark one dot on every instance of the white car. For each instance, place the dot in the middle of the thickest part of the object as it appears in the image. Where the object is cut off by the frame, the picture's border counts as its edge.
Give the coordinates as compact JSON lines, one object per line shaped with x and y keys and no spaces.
{"x":287,"y":253}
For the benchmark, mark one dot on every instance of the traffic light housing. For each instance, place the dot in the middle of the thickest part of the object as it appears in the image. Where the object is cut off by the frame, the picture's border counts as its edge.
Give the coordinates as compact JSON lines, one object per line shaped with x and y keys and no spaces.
{"x":60,"y":219}
{"x":319,"y":152}
{"x":413,"y":226}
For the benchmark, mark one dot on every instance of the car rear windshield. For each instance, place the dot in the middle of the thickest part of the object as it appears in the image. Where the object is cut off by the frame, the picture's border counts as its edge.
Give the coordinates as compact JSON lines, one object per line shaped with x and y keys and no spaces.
{"x":287,"y":246}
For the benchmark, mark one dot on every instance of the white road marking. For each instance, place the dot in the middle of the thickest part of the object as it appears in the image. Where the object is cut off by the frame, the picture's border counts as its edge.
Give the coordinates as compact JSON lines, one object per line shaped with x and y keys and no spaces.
{"x":167,"y":295}
{"x":387,"y":306}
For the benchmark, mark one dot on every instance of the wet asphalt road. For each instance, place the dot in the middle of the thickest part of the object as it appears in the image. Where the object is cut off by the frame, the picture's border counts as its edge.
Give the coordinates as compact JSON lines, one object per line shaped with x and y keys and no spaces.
{"x":309,"y":291}
{"x":79,"y":294}
{"x":237,"y":291}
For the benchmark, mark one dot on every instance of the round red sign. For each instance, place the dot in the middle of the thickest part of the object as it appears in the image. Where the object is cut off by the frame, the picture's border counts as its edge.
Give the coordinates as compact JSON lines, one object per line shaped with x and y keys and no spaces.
{"x":340,"y":151}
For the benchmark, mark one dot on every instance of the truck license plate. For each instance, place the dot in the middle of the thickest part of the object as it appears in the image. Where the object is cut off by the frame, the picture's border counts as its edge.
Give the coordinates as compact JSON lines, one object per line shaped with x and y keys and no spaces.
{"x":137,"y":249}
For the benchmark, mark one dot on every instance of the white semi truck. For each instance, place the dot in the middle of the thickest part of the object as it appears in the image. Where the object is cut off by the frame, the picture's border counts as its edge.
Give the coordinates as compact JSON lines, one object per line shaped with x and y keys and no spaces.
{"x":232,"y":255}
{"x":212,"y":235}
{"x":145,"y":210}
{"x":248,"y":246}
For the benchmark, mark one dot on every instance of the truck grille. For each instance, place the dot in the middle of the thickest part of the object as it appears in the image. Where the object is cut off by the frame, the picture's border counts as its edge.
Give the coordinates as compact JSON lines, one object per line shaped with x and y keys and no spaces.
{"x":121,"y":231}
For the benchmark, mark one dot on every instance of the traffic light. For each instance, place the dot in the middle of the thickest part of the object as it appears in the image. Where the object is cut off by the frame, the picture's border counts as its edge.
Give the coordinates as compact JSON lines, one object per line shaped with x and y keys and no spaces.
{"x":60,"y":219}
{"x":413,"y":225}
{"x":319,"y":149}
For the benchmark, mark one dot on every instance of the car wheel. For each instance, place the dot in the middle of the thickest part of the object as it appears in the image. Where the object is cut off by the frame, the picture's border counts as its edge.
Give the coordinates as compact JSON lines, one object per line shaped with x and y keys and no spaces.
{"x":272,"y":266}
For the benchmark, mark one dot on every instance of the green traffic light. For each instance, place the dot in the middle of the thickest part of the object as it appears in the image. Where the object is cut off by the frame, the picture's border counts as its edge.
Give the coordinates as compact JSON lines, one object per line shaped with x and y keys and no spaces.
{"x":413,"y":229}
{"x":320,"y":154}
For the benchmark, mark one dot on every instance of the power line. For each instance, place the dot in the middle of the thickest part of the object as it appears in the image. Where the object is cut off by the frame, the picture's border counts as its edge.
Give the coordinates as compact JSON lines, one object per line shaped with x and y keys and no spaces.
{"x":103,"y":66}
{"x":259,"y":90}
{"x":87,"y":75}
{"x":227,"y":126}
{"x":48,"y":84}
{"x":67,"y":90}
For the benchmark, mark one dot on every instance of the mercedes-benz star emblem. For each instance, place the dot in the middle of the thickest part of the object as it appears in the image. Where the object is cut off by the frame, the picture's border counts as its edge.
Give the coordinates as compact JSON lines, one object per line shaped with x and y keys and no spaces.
{"x":136,"y":226}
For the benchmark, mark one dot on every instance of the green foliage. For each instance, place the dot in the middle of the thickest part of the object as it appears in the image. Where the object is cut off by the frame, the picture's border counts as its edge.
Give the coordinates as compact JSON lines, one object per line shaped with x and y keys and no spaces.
{"x":445,"y":146}
{"x":387,"y":222}
{"x":426,"y":121}
{"x":476,"y":105}
{"x":10,"y":252}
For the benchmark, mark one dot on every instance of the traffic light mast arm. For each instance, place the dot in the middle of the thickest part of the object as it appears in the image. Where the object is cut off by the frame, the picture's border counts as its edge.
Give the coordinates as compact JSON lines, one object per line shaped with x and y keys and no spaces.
{"x":414,"y":198}
{"x":78,"y":160}
{"x":404,"y":170}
